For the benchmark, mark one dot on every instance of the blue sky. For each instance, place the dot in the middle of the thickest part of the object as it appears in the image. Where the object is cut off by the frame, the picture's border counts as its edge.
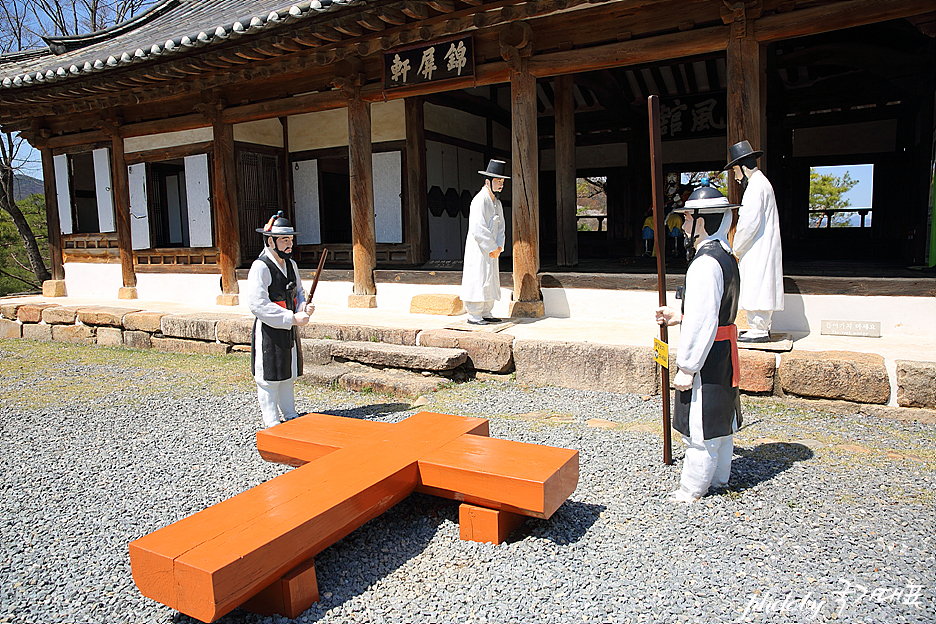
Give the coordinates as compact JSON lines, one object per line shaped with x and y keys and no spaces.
{"x":860,"y":194}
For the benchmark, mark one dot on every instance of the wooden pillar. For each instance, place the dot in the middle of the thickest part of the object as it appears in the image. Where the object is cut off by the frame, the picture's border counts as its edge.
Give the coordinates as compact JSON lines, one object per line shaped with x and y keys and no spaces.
{"x":417,"y":211}
{"x":566,"y":205}
{"x":225,"y":207}
{"x":527,"y":297}
{"x":363,"y":238}
{"x":121,"y":187}
{"x":56,"y":260}
{"x":747,"y":84}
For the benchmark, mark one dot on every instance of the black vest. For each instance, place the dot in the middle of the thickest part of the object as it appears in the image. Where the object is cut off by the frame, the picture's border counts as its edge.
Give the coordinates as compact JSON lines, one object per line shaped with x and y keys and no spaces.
{"x":277,"y":344}
{"x":720,"y":401}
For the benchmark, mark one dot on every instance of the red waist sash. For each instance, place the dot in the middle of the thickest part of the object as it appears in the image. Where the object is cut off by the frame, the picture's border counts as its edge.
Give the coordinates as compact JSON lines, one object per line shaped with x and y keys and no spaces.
{"x":730,"y":332}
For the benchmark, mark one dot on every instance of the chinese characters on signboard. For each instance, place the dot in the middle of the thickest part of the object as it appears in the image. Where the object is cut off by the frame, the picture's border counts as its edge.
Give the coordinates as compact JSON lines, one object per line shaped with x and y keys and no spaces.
{"x":432,"y":62}
{"x":693,"y":116}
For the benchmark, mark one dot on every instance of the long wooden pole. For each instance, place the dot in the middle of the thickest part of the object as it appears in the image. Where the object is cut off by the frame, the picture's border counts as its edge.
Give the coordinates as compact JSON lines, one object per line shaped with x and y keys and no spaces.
{"x":318,"y":272}
{"x":656,"y":176}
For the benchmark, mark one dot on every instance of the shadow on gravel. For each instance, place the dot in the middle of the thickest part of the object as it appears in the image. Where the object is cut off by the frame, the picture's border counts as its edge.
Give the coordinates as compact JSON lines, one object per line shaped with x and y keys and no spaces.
{"x":764,"y":461}
{"x":365,"y":411}
{"x":569,"y":524}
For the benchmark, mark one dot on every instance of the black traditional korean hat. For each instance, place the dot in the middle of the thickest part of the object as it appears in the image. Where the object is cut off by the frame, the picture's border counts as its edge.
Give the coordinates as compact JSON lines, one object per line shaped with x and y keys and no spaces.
{"x":278,"y":225}
{"x":739,"y":151}
{"x":706,"y":200}
{"x":496,"y":169}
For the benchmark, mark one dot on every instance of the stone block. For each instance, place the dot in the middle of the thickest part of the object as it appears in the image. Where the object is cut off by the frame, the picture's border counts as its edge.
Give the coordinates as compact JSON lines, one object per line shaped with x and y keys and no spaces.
{"x":104,"y":315}
{"x":8,"y":311}
{"x":757,"y":371}
{"x":127,"y":292}
{"x":10,"y":329}
{"x":399,"y":383}
{"x":77,"y":334}
{"x":442,"y":304}
{"x":316,"y":352}
{"x":916,"y":384}
{"x":399,"y":356}
{"x":527,"y":309}
{"x":137,"y":339}
{"x":60,"y":315}
{"x":486,"y":351}
{"x":362,"y":301}
{"x":235,"y":331}
{"x":34,"y":331}
{"x":183,"y":345}
{"x":32,"y":312}
{"x":227,"y":300}
{"x":361,"y":333}
{"x":844,"y":375}
{"x":150,"y":322}
{"x":195,"y":326}
{"x":586,"y":366}
{"x":322,"y":374}
{"x":110,"y":336}
{"x":54,"y":288}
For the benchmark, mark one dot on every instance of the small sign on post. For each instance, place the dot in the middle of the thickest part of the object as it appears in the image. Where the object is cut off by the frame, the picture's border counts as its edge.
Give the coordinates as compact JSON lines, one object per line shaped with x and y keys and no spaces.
{"x":661,"y":352}
{"x":868,"y":329}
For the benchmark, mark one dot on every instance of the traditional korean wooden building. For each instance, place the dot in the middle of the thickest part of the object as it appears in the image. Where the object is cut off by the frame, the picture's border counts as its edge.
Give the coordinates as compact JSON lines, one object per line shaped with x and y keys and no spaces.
{"x":168,"y":139}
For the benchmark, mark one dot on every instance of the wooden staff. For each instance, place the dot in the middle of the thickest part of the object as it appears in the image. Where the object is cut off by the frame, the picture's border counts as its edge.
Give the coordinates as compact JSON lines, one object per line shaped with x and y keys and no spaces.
{"x":318,"y":272}
{"x":656,"y":175}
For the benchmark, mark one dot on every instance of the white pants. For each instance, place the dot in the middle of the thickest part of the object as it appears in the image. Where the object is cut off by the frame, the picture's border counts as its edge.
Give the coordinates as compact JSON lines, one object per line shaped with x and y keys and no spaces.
{"x":477,"y":310}
{"x":759,"y":322}
{"x":706,"y":463}
{"x":276,"y":397}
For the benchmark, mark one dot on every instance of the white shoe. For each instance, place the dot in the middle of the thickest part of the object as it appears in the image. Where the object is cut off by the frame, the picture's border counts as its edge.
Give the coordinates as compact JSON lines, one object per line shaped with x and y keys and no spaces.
{"x":682,"y":496}
{"x":268,"y":425}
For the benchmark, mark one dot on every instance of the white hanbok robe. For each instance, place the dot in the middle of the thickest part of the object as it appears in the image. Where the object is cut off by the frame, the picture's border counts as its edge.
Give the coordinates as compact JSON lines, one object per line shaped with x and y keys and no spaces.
{"x":258,"y":301}
{"x":757,"y":245}
{"x":486,"y":232}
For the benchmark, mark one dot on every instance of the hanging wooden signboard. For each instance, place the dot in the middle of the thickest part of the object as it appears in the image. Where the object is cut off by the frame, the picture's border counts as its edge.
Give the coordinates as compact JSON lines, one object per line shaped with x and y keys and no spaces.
{"x":428,"y":62}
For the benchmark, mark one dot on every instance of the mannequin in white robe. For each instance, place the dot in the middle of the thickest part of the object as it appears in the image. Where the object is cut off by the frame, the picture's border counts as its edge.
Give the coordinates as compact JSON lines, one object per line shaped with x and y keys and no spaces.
{"x":480,"y":286}
{"x":707,"y":406}
{"x":757,"y":246}
{"x":276,"y":356}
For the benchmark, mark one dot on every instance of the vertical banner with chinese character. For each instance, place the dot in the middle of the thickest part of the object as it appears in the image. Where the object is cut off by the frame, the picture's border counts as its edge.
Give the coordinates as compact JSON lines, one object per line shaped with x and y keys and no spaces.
{"x":428,"y":62}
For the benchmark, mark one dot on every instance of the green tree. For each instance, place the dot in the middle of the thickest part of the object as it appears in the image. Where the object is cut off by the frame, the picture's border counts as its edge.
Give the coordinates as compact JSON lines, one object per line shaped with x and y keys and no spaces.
{"x":827,"y":193}
{"x":16,"y":272}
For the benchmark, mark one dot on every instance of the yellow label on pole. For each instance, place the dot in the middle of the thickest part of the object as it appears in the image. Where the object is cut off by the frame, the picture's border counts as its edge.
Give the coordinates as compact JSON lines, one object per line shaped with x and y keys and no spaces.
{"x":661,"y":352}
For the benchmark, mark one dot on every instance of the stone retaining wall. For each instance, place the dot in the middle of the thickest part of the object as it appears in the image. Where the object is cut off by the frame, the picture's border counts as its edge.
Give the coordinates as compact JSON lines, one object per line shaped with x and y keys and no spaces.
{"x":841,"y":375}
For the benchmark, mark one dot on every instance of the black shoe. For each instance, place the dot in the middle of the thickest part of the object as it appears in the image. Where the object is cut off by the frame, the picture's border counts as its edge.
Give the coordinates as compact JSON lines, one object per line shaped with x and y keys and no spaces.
{"x":754,"y":339}
{"x":481,"y":322}
{"x":493,"y":319}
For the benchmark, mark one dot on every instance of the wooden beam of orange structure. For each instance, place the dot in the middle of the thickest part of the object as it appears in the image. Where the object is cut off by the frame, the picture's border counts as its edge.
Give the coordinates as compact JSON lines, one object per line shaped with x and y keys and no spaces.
{"x":350,"y":472}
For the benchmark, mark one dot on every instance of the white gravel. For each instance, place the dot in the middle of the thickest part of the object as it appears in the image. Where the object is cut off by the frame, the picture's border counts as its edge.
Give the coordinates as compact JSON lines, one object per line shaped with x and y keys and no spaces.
{"x":828,"y":517}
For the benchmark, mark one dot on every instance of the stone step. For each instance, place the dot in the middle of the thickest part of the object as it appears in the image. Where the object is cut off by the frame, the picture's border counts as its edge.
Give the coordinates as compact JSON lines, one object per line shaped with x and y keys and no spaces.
{"x":358,"y":377}
{"x":398,"y":356}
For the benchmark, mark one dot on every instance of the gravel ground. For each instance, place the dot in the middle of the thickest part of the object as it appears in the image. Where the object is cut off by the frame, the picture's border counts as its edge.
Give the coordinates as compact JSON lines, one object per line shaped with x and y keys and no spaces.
{"x":828,"y":516}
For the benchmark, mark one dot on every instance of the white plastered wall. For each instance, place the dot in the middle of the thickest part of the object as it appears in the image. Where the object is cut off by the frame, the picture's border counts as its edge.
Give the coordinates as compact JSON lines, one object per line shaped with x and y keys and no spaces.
{"x":168,"y":139}
{"x":324,"y":129}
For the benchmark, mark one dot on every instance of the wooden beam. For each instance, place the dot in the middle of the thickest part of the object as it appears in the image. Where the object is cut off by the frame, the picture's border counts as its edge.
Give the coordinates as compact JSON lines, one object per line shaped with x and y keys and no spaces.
{"x":121,"y":187}
{"x":631,"y":52}
{"x":566,"y":222}
{"x":326,"y":100}
{"x":56,"y":260}
{"x":525,"y":185}
{"x":392,"y":16}
{"x":170,"y":124}
{"x":835,"y":16}
{"x":348,"y":27}
{"x":746,"y":70}
{"x":225,"y":205}
{"x":416,"y":10}
{"x":442,"y":6}
{"x":371,"y":22}
{"x":417,"y":211}
{"x":362,"y":196}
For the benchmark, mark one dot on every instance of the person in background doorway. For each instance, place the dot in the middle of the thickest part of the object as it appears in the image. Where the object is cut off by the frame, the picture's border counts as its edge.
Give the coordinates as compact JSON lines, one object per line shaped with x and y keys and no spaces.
{"x":480,"y":286}
{"x":757,"y":243}
{"x":276,"y":298}
{"x":707,"y":409}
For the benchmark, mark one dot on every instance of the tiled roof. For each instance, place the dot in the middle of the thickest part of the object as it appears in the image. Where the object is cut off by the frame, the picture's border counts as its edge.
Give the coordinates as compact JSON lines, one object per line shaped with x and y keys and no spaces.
{"x":168,"y":28}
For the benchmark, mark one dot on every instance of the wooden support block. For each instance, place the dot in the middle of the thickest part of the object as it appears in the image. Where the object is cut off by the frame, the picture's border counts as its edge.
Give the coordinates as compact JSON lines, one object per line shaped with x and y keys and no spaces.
{"x":289,"y":596}
{"x":480,"y":524}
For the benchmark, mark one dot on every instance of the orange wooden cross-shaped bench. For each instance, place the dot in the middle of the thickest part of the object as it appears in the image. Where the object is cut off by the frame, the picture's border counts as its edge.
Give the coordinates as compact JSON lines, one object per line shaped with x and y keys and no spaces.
{"x":256,"y":550}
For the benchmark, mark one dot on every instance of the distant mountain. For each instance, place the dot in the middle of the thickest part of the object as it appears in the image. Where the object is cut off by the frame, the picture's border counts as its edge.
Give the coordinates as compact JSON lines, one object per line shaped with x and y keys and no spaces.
{"x":24,"y":186}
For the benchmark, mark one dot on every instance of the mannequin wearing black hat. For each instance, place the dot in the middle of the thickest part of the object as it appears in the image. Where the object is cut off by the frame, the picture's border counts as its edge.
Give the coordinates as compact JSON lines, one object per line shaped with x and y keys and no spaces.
{"x":757,"y":243}
{"x":707,"y":408}
{"x":480,"y":286}
{"x":276,"y":298}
